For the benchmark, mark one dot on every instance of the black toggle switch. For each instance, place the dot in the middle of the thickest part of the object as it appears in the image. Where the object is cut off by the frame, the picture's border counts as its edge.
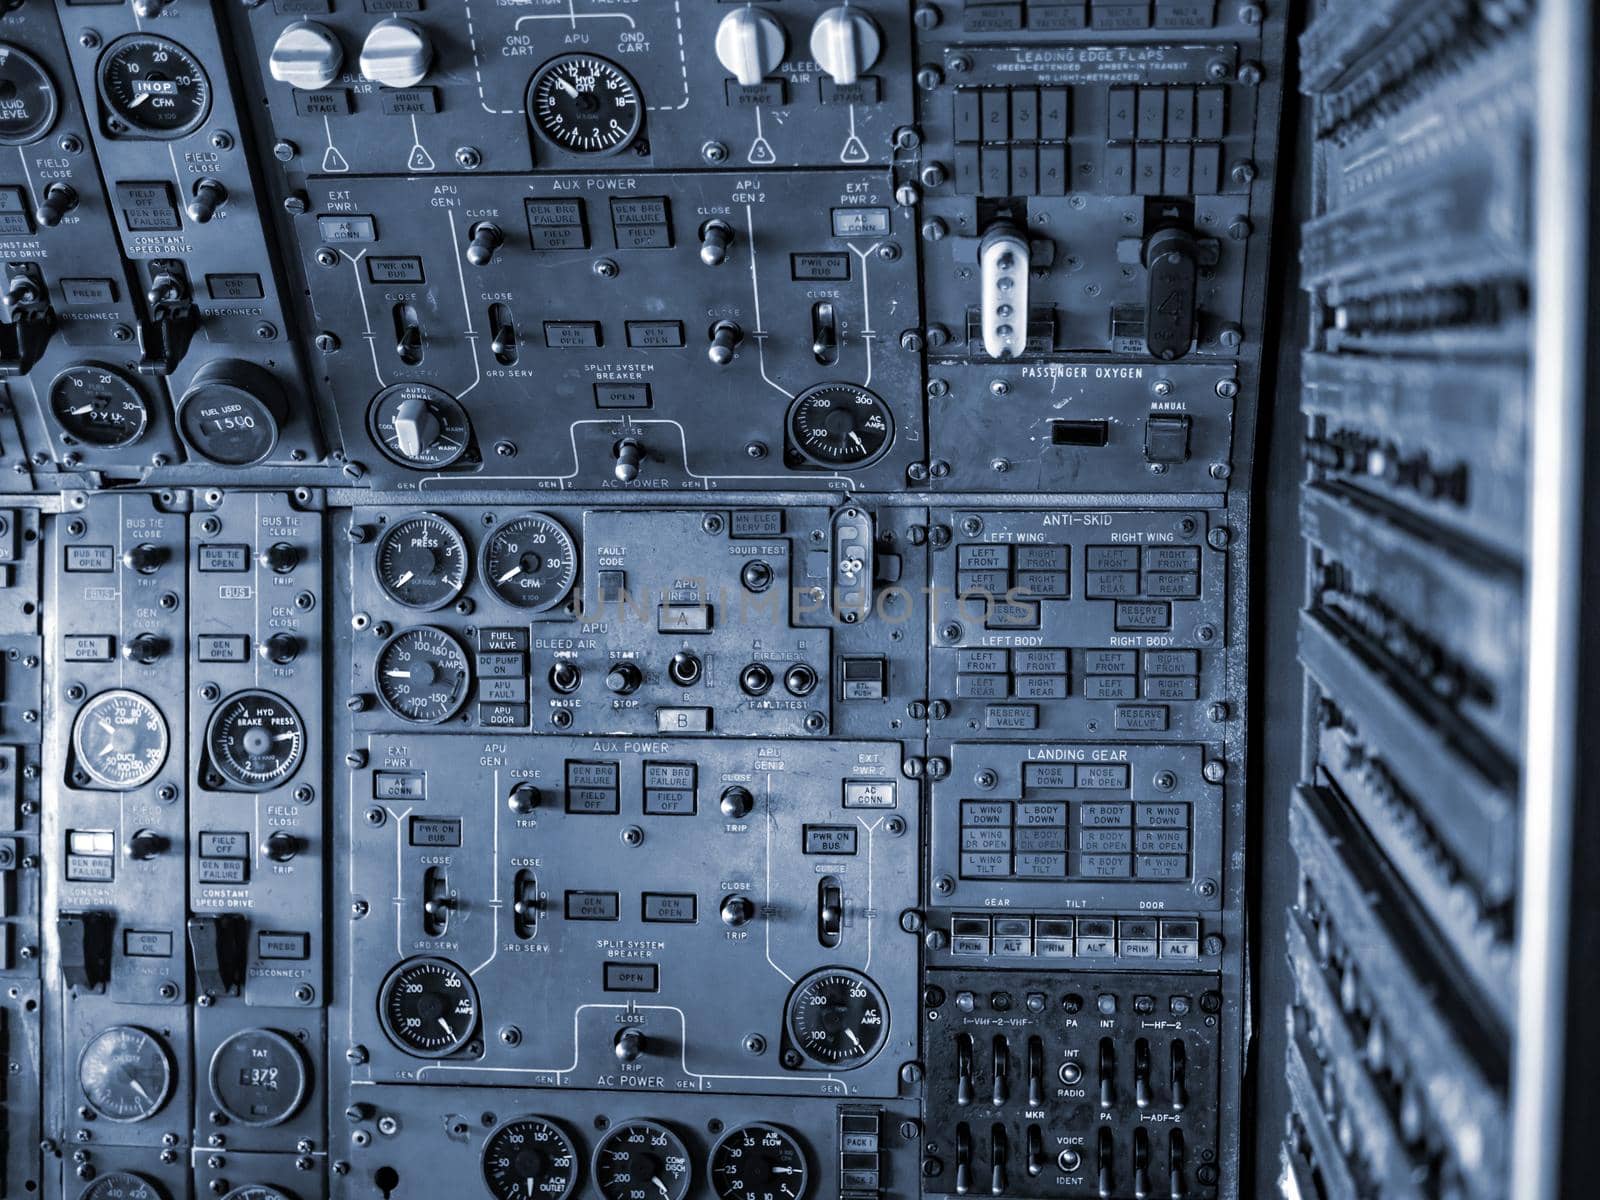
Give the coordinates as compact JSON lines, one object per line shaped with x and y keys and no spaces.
{"x":145,"y":558}
{"x":282,"y":846}
{"x":1175,"y":1163}
{"x":1105,"y":1166}
{"x":502,"y":334}
{"x":280,"y":649}
{"x":630,"y":454}
{"x":1172,"y":265}
{"x":963,"y":1159}
{"x":1108,"y":1070}
{"x":565,"y":677}
{"x":725,"y":339}
{"x":524,"y":798}
{"x":280,"y":558}
{"x":623,"y":678}
{"x":999,"y":1150}
{"x":963,"y":1069}
{"x":1141,"y":1162}
{"x":737,"y":911}
{"x":486,"y":239}
{"x":629,"y":1046}
{"x":1141,"y":1073}
{"x":1179,"y":1076}
{"x":85,"y":949}
{"x":209,"y":195}
{"x":1000,"y":1063}
{"x":144,"y":649}
{"x":59,"y":199}
{"x":217,"y":949}
{"x":716,"y":237}
{"x":436,"y":902}
{"x":407,"y":334}
{"x":1035,"y":1150}
{"x":737,"y":802}
{"x":146,"y":844}
{"x":824,"y":333}
{"x":525,"y":905}
{"x":1035,"y":1073}
{"x":830,"y":911}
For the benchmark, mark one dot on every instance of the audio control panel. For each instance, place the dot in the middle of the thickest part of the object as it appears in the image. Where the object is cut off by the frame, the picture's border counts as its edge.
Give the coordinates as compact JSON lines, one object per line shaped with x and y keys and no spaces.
{"x":635,"y":599}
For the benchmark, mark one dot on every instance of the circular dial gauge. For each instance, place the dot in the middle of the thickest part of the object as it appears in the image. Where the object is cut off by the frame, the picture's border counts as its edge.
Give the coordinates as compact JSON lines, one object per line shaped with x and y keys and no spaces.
{"x":585,"y":104}
{"x":837,"y":1017}
{"x":530,"y":562}
{"x":256,"y":1191}
{"x":122,"y":1185}
{"x":641,"y":1160}
{"x":758,"y":1162}
{"x":839,"y":425}
{"x":255,"y":740}
{"x":97,"y":405}
{"x":530,"y":1158}
{"x":421,"y":561}
{"x":153,"y":85}
{"x":120,"y":740}
{"x":419,"y":426}
{"x":421,"y":675}
{"x":231,"y":413}
{"x":428,"y":1007}
{"x":27,"y":97}
{"x":258,"y":1077}
{"x":125,"y":1074}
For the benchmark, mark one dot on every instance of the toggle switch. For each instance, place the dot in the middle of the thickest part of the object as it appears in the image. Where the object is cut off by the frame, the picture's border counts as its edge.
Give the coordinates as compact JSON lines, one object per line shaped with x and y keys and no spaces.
{"x":1003,"y":263}
{"x":280,"y":558}
{"x":999,"y":1152}
{"x":629,"y":453}
{"x":280,"y":649}
{"x":1108,"y":1070}
{"x":725,"y":339}
{"x":629,"y":1046}
{"x":144,"y":649}
{"x":846,"y":43}
{"x":830,"y":911}
{"x":485,"y":239}
{"x":1000,"y":1070}
{"x":1178,"y":1076}
{"x":824,"y":333}
{"x":502,"y":334}
{"x":737,"y":802}
{"x":1141,"y":1073}
{"x":59,"y":199}
{"x":750,"y":44}
{"x":963,"y":1069}
{"x":282,"y":846}
{"x":525,"y":904}
{"x":145,"y":845}
{"x":1035,"y":1149}
{"x":407,"y":338}
{"x":145,"y":558}
{"x":716,"y":238}
{"x":1105,"y":1165}
{"x":963,"y":1159}
{"x":523,"y":798}
{"x":436,"y":902}
{"x":209,"y":195}
{"x":737,"y":911}
{"x":623,"y":679}
{"x":1035,"y":1074}
{"x":1175,"y":1163}
{"x":1141,"y":1162}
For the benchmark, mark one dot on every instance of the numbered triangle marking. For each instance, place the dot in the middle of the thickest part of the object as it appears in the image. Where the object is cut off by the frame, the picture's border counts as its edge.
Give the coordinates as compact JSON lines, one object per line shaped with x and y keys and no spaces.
{"x":761,"y":153}
{"x":854,"y":151}
{"x":334,"y":161}
{"x":420,"y":159}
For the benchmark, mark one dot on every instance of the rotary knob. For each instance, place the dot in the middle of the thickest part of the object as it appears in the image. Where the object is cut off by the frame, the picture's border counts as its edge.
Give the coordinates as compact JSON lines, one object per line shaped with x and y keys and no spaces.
{"x":396,"y":54}
{"x":415,"y":427}
{"x":750,"y":44}
{"x":845,"y":42}
{"x":306,"y":56}
{"x":624,"y":679}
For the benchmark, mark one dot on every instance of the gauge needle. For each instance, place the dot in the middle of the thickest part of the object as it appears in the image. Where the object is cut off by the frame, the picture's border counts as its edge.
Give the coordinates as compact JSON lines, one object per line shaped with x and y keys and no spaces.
{"x":445,"y":1025}
{"x":660,"y":1187}
{"x":511,"y":574}
{"x":111,"y":730}
{"x":285,"y":737}
{"x":851,"y":1034}
{"x":860,"y":445}
{"x":527,"y":1186}
{"x":82,"y":410}
{"x":397,"y":674}
{"x":567,"y":86}
{"x":138,"y":1089}
{"x":405,"y":579}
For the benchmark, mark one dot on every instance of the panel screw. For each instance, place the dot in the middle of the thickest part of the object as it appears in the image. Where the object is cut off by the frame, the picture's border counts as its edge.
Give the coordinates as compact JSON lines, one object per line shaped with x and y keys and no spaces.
{"x":714,"y":152}
{"x":284,"y":150}
{"x":469,"y":158}
{"x":944,"y":885}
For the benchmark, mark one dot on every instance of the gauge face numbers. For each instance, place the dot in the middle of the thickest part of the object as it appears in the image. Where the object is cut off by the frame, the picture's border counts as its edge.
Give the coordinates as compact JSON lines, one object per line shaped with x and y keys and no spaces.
{"x":837,"y":1018}
{"x":125,"y":1074}
{"x":28,"y":101}
{"x":227,"y":424}
{"x":258,"y":1077}
{"x":530,"y":562}
{"x":97,"y":406}
{"x":839,"y":425}
{"x":120,"y":740}
{"x":585,"y":104}
{"x":255,"y":740}
{"x":421,"y":561}
{"x":530,"y":1158}
{"x":153,"y":86}
{"x":419,"y":426}
{"x":640,"y":1160}
{"x":758,"y":1162}
{"x":122,"y":1185}
{"x":428,"y":1007}
{"x":421,"y":675}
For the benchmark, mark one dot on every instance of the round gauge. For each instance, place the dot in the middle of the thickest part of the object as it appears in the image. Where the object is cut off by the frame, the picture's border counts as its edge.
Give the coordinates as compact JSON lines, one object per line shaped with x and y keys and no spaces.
{"x":258,"y":1077}
{"x":421,"y":561}
{"x":530,"y":1158}
{"x":585,"y":104}
{"x":839,"y":425}
{"x":640,"y":1160}
{"x":27,"y":97}
{"x":153,"y":86}
{"x":758,"y":1162}
{"x":231,"y":412}
{"x":421,"y":674}
{"x":255,"y":740}
{"x":257,"y":1191}
{"x":428,"y":1007}
{"x":122,"y":1185}
{"x":125,"y":1074}
{"x":419,"y":426}
{"x":120,"y":740}
{"x":530,"y":562}
{"x":837,"y":1017}
{"x":97,"y":405}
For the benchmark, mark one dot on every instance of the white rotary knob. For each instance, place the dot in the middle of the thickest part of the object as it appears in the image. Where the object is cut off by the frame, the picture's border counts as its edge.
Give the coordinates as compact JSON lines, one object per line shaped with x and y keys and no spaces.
{"x":750,"y":44}
{"x":396,"y":54}
{"x":845,"y":42}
